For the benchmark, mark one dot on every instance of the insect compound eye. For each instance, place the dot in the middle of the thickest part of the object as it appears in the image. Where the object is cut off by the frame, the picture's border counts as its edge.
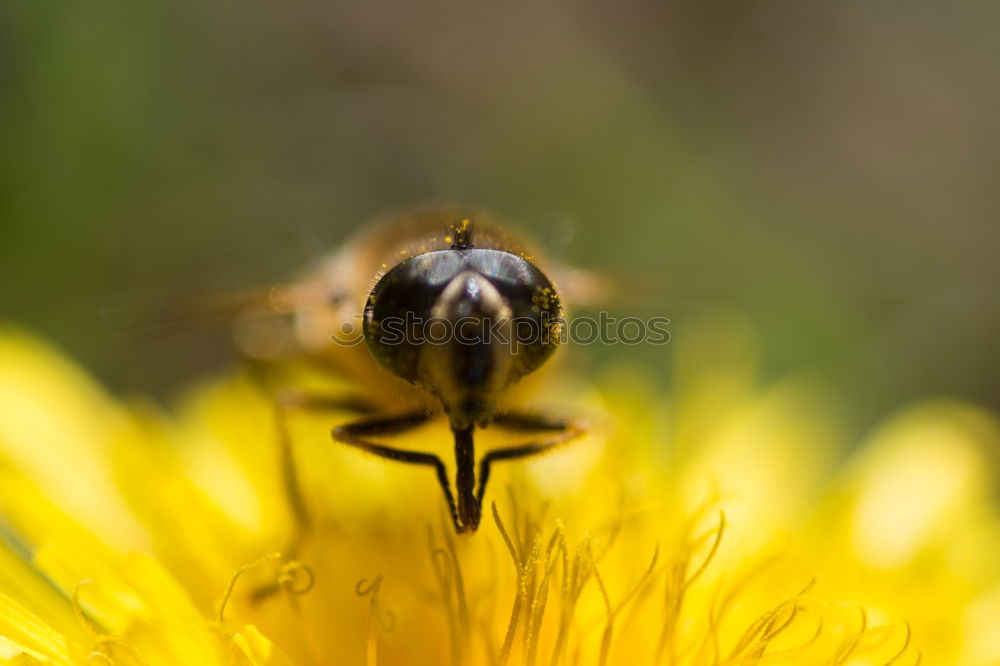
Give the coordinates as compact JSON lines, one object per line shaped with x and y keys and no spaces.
{"x":397,"y":305}
{"x":404,"y":310}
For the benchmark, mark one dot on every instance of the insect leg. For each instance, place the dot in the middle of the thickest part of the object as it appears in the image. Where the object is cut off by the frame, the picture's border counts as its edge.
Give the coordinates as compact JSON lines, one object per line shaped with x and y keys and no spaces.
{"x":292,"y":400}
{"x":356,"y":434}
{"x":288,"y":400}
{"x":534,"y":421}
{"x":321,"y":402}
{"x":561,"y":431}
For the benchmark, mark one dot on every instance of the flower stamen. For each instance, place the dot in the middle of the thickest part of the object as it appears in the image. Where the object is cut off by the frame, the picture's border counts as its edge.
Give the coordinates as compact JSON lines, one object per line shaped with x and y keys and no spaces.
{"x":270,"y":557}
{"x":375,"y":615}
{"x":293,"y":571}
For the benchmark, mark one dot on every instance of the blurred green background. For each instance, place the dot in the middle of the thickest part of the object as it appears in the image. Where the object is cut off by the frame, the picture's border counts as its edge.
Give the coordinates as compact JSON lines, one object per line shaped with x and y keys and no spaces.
{"x":830,"y":169}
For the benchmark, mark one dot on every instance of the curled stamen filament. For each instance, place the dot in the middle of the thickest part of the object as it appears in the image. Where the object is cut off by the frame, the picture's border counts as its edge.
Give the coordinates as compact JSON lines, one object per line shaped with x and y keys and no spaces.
{"x":236,"y":576}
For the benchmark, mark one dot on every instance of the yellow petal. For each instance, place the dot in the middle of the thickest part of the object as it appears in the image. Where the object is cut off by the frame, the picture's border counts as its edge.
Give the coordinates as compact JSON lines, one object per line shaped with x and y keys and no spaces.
{"x":918,"y":479}
{"x":23,"y":632}
{"x":54,"y":428}
{"x":38,"y":595}
{"x":256,"y":650}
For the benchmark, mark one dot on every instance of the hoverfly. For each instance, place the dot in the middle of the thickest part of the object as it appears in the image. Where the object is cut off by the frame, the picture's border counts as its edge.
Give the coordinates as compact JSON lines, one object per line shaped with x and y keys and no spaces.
{"x":450,"y":310}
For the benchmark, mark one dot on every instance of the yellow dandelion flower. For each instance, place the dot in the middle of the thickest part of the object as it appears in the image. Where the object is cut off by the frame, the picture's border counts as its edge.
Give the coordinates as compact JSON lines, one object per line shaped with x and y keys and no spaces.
{"x":711,"y":526}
